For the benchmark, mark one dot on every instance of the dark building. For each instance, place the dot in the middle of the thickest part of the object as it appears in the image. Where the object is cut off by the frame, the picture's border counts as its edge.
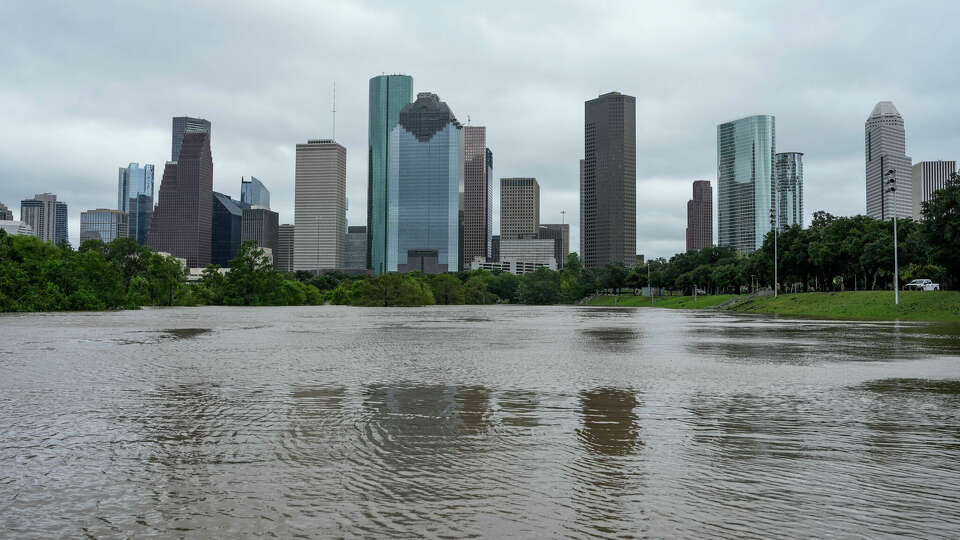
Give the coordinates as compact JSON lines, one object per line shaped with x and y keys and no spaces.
{"x":262,"y":226}
{"x":356,"y":247}
{"x":477,"y":189}
{"x":495,"y":248}
{"x":46,"y":216}
{"x":283,"y":258}
{"x":5,"y":213}
{"x":227,"y":223}
{"x":700,"y":216}
{"x":560,"y":234}
{"x":183,"y":125}
{"x":425,"y":261}
{"x":182,"y":222}
{"x":609,"y":192}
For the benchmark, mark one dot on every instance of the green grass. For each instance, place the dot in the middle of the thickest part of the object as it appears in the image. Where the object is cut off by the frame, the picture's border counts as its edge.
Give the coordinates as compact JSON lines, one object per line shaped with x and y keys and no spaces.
{"x":861,"y":305}
{"x":674,"y":302}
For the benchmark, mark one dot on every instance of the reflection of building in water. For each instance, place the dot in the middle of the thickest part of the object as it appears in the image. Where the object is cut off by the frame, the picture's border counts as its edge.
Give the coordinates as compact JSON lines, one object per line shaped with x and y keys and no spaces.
{"x":474,"y":404}
{"x":609,"y":421}
{"x":611,"y":339}
{"x":518,"y":408}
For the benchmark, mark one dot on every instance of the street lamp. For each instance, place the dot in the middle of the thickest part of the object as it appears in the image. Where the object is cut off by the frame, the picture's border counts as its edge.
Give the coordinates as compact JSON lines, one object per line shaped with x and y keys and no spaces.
{"x":774,"y":215}
{"x":892,"y":188}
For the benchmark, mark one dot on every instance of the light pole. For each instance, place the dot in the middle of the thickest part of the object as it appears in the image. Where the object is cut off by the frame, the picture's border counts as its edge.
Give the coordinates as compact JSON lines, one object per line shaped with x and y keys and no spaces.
{"x":892,"y":183}
{"x":774,"y":215}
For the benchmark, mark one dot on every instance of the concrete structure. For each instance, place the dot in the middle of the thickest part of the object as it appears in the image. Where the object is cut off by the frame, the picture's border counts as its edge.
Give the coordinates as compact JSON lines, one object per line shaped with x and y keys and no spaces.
{"x":253,"y":193}
{"x":46,"y":217}
{"x":103,"y":224}
{"x":226,"y":228}
{"x":320,"y":201}
{"x":928,"y":177}
{"x":260,"y":225}
{"x":356,"y":248}
{"x":477,"y":194}
{"x":700,"y":216}
{"x":135,"y":197}
{"x":183,"y":125}
{"x":512,"y":266}
{"x":788,"y":180}
{"x":425,"y":180}
{"x":609,"y":193}
{"x":284,"y":254}
{"x":885,"y":145}
{"x":12,"y":227}
{"x":388,"y":95}
{"x":519,"y":208}
{"x":560,"y":234}
{"x":5,"y":213}
{"x":745,"y":191}
{"x":183,"y":219}
{"x":531,"y":250}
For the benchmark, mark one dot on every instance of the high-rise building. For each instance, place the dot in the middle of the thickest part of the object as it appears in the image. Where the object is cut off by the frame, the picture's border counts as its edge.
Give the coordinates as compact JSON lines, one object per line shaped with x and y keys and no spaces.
{"x":745,"y":192}
{"x":560,"y":234}
{"x":885,"y":144}
{"x":388,"y":95}
{"x":5,"y":213}
{"x":519,"y":208}
{"x":260,"y":225}
{"x":103,"y":224}
{"x":356,"y":248}
{"x":46,"y":216}
{"x":788,"y":180}
{"x":495,"y":248}
{"x":183,"y":125}
{"x":478,"y":184}
{"x":183,"y":219}
{"x":425,"y":180}
{"x":283,"y":257}
{"x":700,"y":216}
{"x":320,"y":202}
{"x":226,"y":227}
{"x":928,"y":177}
{"x":135,"y":197}
{"x":580,"y":250}
{"x":609,"y":193}
{"x":253,"y":193}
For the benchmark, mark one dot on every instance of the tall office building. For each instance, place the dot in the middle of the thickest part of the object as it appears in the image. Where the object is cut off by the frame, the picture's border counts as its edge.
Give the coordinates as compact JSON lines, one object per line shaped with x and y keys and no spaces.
{"x":478,"y":185}
{"x":425,"y":180}
{"x":46,"y":216}
{"x":609,"y":193}
{"x":885,"y":144}
{"x":388,"y":95}
{"x":135,"y":197}
{"x":183,"y":219}
{"x":745,"y":191}
{"x":700,"y":216}
{"x":261,"y":225}
{"x":5,"y":213}
{"x":560,"y":234}
{"x":788,"y":180}
{"x":183,"y":125}
{"x":928,"y":177}
{"x":103,"y":224}
{"x":356,"y":248}
{"x":253,"y":193}
{"x":580,"y":250}
{"x":320,"y":202}
{"x":283,"y":256}
{"x":519,"y":208}
{"x":226,"y":227}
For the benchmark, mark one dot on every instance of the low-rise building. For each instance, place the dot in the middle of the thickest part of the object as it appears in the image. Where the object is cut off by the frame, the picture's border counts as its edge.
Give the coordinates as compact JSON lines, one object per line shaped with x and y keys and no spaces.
{"x":13,"y":227}
{"x":512,"y":266}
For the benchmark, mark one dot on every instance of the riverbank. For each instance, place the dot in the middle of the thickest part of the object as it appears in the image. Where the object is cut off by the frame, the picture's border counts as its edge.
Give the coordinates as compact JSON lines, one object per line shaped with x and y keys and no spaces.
{"x":850,"y":305}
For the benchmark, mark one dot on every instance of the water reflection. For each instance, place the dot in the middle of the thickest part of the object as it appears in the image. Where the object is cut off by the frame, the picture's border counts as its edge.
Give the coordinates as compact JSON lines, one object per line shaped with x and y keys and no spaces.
{"x":609,"y":421}
{"x":613,"y":339}
{"x":518,"y":408}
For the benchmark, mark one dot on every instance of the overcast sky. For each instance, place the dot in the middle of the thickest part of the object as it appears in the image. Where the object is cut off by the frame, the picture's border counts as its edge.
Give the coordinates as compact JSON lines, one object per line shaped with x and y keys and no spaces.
{"x":86,"y":87}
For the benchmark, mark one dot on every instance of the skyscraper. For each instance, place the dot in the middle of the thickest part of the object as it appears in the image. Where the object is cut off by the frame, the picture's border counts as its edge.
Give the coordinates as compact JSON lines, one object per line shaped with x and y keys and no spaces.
{"x":700,"y":216}
{"x":46,"y":216}
{"x":519,"y":208}
{"x":582,"y":235}
{"x":477,"y":182}
{"x":183,"y":125}
{"x":103,"y":224}
{"x":261,"y":225}
{"x":885,"y":144}
{"x":388,"y":95}
{"x":745,"y":150}
{"x":425,"y":180}
{"x":560,"y":233}
{"x":609,"y":193}
{"x":928,"y":177}
{"x":226,"y":227}
{"x":135,"y":197}
{"x":788,"y":179}
{"x":320,"y":203}
{"x":183,"y":219}
{"x":283,"y":257}
{"x":254,"y":193}
{"x":356,"y":248}
{"x":5,"y":213}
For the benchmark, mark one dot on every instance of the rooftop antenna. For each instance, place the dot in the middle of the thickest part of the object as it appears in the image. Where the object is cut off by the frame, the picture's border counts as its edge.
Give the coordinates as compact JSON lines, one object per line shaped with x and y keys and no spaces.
{"x":563,"y":215}
{"x":334,"y":110}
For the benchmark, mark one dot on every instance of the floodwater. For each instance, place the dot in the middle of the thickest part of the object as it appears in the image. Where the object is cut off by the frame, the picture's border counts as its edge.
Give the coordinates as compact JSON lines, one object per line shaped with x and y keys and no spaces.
{"x":475,"y":421}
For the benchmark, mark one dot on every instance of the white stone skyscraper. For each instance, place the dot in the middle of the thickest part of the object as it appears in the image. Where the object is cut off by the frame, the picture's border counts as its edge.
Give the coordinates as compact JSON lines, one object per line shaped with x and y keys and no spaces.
{"x":320,"y":206}
{"x":885,"y":145}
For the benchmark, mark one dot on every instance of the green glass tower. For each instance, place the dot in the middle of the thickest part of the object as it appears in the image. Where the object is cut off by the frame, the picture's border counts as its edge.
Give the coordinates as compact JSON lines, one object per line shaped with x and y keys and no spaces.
{"x":388,"y":94}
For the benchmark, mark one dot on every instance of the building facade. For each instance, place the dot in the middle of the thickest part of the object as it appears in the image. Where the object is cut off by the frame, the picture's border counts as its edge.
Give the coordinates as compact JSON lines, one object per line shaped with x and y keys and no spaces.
{"x":283,"y":257}
{"x":13,"y":227}
{"x":135,"y":197}
{"x":183,"y":125}
{"x":529,"y":250}
{"x":5,"y":213}
{"x":320,"y":202}
{"x":609,"y":192}
{"x":388,"y":95}
{"x":519,"y":208}
{"x":253,"y":193}
{"x":46,"y":216}
{"x":560,"y":234}
{"x":425,"y":180}
{"x":182,"y":222}
{"x":478,"y":185}
{"x":745,"y":189}
{"x":226,"y":227}
{"x":885,"y":148}
{"x":700,"y":216}
{"x":511,"y":266}
{"x":260,"y":225}
{"x":788,"y":179}
{"x":495,"y":248}
{"x":103,"y":224}
{"x":928,"y":177}
{"x":356,"y":248}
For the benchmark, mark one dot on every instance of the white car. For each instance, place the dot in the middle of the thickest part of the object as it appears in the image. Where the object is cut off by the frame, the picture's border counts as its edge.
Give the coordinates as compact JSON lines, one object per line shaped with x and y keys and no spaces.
{"x":922,"y":285}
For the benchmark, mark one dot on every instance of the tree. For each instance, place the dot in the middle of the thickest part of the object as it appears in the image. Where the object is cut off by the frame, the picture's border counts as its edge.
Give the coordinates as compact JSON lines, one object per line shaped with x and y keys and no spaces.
{"x":447,"y":289}
{"x":941,"y":224}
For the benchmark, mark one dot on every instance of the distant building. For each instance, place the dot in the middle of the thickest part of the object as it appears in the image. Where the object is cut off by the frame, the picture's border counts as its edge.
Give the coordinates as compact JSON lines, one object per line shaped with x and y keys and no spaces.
{"x":639,"y":260}
{"x":5,"y":213}
{"x":226,"y":229}
{"x":356,"y":247}
{"x":183,"y":125}
{"x":511,"y":266}
{"x":135,"y":197}
{"x":103,"y":224}
{"x":580,"y":251}
{"x":477,"y":191}
{"x":183,"y":219}
{"x":320,"y":202}
{"x":532,"y":250}
{"x":46,"y":216}
{"x":12,"y":227}
{"x":495,"y":248}
{"x":283,"y":261}
{"x":253,"y":193}
{"x":519,"y":208}
{"x":928,"y":177}
{"x":560,"y":234}
{"x":700,"y":216}
{"x":260,"y":225}
{"x":885,"y":143}
{"x":788,"y":179}
{"x":745,"y":150}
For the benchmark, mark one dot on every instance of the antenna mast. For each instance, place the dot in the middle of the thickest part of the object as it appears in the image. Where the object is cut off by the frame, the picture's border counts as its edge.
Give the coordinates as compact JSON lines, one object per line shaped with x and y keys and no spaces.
{"x":334,"y":110}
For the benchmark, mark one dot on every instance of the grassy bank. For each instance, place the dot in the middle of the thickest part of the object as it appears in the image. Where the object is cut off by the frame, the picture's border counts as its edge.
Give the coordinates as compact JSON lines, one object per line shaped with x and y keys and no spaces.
{"x":861,"y":305}
{"x":674,"y":302}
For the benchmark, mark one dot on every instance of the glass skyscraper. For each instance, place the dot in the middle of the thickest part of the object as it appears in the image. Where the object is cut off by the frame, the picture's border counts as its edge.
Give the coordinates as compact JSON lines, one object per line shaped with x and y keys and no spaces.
{"x":388,"y":95}
{"x":103,"y":224}
{"x":425,"y":181}
{"x":226,"y":223}
{"x":253,"y":193}
{"x":183,"y":125}
{"x":745,"y":150}
{"x":788,"y":169}
{"x":135,"y":197}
